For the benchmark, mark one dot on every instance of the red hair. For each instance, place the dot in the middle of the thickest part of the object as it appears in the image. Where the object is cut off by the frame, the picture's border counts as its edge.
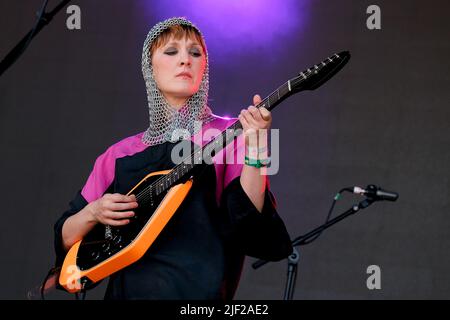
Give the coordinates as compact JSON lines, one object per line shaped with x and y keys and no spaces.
{"x":178,"y":32}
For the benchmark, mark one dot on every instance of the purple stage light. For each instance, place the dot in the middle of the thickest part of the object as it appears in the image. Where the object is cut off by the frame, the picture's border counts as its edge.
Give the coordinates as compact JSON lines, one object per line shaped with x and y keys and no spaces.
{"x":239,"y":27}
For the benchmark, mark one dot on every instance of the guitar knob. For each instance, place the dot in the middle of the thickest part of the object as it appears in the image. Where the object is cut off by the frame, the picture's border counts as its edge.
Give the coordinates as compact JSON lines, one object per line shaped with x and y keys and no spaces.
{"x":95,"y":255}
{"x":117,"y":239}
{"x":105,"y":246}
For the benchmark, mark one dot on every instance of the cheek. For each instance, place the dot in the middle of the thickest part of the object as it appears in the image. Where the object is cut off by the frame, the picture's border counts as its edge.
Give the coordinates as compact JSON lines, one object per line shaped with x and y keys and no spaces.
{"x":161,"y":71}
{"x":200,"y":69}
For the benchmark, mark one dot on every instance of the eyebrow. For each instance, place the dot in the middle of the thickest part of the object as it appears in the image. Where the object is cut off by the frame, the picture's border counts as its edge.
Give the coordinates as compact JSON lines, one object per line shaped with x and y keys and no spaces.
{"x":175,"y":43}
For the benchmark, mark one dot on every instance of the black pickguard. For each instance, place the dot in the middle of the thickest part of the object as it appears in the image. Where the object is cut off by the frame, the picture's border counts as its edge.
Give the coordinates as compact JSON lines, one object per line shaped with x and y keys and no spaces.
{"x":95,"y":247}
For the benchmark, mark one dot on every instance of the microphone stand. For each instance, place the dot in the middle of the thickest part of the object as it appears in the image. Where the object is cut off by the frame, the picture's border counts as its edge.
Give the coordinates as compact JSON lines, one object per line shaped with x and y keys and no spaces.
{"x":43,"y":19}
{"x":303,"y":240}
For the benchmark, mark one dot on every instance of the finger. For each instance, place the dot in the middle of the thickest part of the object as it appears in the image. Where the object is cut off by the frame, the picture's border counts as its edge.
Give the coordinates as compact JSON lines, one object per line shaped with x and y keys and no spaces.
{"x":248,"y":124}
{"x":256,"y":99}
{"x":243,"y":121}
{"x":249,"y":117}
{"x":109,"y":215}
{"x":119,"y":206}
{"x":121,"y":215}
{"x":117,"y":197}
{"x":265,"y":114}
{"x":255,"y":113}
{"x":116,"y":223}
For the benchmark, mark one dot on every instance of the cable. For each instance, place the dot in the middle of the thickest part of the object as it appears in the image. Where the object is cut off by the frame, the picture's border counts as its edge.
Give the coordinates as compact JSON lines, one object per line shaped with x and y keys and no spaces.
{"x":51,"y":272}
{"x":335,"y":199}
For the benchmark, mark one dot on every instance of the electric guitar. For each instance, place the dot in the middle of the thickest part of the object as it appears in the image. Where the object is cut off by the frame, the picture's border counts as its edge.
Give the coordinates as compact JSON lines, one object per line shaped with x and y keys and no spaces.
{"x":159,"y":194}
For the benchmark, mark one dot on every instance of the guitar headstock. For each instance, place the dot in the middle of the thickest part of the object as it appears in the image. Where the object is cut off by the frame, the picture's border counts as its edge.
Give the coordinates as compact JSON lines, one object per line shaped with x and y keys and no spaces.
{"x":316,"y":75}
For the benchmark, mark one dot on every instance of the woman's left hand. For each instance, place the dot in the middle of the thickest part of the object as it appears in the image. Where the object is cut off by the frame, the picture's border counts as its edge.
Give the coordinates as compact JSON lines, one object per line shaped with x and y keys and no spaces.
{"x":255,"y":122}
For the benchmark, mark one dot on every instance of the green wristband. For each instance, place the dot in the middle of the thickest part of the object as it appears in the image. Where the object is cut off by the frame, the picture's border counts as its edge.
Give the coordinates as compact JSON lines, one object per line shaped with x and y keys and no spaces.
{"x":256,"y":162}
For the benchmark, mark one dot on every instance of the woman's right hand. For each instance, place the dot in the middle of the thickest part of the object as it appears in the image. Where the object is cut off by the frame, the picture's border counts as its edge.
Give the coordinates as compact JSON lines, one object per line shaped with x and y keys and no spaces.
{"x":109,"y":208}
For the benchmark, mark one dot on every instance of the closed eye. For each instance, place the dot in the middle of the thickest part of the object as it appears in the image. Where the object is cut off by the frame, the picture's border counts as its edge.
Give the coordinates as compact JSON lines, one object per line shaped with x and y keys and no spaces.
{"x":193,"y":53}
{"x":196,"y":53}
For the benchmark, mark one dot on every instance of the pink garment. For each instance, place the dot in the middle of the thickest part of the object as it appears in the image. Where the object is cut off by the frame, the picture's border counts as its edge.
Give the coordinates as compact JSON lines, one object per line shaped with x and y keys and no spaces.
{"x":103,"y":172}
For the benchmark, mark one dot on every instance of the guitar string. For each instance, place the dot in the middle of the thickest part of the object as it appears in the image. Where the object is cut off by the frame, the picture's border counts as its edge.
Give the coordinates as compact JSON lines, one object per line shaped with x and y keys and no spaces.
{"x":144,"y":196}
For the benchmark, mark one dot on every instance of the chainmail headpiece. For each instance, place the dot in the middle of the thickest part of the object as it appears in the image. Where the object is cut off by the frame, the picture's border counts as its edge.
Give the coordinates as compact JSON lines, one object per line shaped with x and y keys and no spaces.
{"x":164,"y":119}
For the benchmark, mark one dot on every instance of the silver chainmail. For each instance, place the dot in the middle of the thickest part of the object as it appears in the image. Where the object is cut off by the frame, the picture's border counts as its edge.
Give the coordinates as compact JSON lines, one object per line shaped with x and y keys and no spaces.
{"x":164,"y":119}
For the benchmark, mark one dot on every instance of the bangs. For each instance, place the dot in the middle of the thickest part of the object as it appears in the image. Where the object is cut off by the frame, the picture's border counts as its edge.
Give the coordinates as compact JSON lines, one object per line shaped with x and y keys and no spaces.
{"x":178,"y":32}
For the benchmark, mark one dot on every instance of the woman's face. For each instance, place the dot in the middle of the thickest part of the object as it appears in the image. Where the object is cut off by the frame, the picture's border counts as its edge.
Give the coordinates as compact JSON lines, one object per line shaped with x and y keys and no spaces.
{"x":178,"y":68}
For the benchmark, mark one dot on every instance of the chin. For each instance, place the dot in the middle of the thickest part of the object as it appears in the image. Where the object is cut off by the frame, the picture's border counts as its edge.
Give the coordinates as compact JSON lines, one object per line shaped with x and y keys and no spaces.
{"x":185,"y":93}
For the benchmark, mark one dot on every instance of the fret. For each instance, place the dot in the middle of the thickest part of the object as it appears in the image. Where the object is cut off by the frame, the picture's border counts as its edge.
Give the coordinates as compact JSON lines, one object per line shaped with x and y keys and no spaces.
{"x":285,"y":90}
{"x":262,"y":104}
{"x":274,"y":98}
{"x":281,"y":91}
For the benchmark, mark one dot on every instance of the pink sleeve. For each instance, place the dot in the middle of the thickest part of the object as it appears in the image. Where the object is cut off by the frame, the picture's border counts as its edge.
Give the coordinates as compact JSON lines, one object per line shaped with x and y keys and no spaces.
{"x":236,"y":152}
{"x":103,"y":173}
{"x":228,"y":164}
{"x":100,"y":178}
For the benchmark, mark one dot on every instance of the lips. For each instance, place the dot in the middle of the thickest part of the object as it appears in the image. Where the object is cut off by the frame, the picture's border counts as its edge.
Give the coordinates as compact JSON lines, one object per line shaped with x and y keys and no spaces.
{"x":184,"y":74}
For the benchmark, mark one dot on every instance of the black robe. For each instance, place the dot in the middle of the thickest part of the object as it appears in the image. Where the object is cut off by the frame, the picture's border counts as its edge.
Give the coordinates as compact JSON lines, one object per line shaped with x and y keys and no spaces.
{"x":200,"y":252}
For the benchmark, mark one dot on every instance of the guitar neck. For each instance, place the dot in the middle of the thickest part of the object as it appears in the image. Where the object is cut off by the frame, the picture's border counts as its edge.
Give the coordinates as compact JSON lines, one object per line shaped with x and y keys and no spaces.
{"x":309,"y":79}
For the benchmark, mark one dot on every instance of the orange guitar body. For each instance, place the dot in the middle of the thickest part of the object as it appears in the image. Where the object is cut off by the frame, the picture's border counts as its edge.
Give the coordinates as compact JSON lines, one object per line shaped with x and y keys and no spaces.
{"x":73,"y":277}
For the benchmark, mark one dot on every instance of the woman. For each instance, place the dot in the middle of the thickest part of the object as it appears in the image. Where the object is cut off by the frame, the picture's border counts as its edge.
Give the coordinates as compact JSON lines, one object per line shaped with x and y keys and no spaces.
{"x":228,"y":213}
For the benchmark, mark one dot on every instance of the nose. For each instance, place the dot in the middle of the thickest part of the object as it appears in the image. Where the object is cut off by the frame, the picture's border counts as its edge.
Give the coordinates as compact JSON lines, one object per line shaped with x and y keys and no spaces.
{"x":185,"y":58}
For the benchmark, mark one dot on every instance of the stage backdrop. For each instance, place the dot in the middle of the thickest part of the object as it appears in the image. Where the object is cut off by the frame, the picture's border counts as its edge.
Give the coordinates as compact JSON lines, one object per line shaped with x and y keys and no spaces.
{"x":384,"y":119}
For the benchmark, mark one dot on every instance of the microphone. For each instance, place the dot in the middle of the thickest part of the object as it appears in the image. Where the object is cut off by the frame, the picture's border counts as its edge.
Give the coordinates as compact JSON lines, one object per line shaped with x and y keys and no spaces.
{"x":374,"y":192}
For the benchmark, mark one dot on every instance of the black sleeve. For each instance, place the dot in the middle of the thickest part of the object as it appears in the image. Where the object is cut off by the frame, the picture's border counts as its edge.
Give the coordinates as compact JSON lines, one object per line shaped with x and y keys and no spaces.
{"x":77,"y":204}
{"x":261,"y":235}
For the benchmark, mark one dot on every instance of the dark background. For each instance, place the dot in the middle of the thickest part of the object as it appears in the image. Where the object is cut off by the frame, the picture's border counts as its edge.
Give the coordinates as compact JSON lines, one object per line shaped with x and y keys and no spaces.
{"x":384,"y":119}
